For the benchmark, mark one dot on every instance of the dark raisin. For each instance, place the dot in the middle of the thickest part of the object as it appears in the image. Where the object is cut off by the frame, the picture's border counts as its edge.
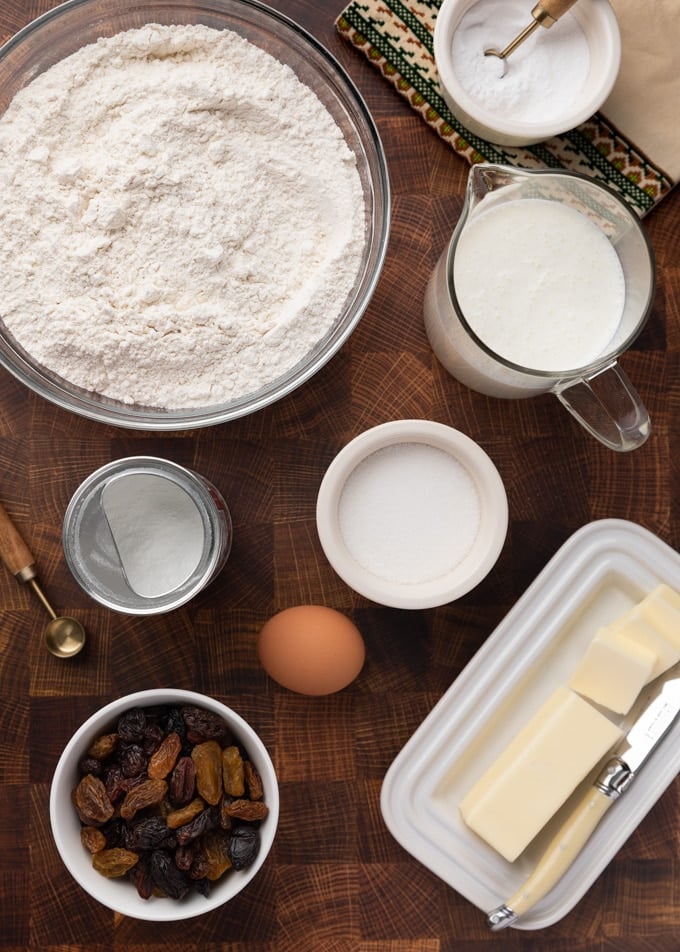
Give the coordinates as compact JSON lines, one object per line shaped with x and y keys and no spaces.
{"x":92,"y":766}
{"x":182,"y":782}
{"x":244,"y":845}
{"x":141,"y":877}
{"x":150,"y":833}
{"x":203,"y":887}
{"x":184,"y":856}
{"x":203,"y":725}
{"x":153,"y":736}
{"x":197,"y":827}
{"x":170,"y":880}
{"x":133,"y":761}
{"x":131,"y":725}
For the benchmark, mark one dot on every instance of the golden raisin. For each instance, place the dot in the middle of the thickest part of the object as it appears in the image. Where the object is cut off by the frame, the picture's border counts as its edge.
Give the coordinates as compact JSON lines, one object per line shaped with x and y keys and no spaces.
{"x":146,"y":794}
{"x":165,"y":756}
{"x":184,"y":814}
{"x":232,"y":772}
{"x":247,"y":809}
{"x":92,"y":838}
{"x":215,"y":847}
{"x":253,"y":781}
{"x":103,"y":746}
{"x":208,"y":759}
{"x":92,"y":801}
{"x":114,"y":862}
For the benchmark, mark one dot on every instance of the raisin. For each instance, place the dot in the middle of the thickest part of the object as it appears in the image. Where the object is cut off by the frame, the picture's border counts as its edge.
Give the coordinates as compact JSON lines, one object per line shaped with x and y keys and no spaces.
{"x":199,"y":866}
{"x":92,"y":801}
{"x":141,"y":877}
{"x":103,"y":746}
{"x":249,"y":810}
{"x":165,"y":756}
{"x":131,"y":725}
{"x":146,"y":794}
{"x":215,"y":845}
{"x":232,"y":772}
{"x":150,"y":833}
{"x":92,"y":766}
{"x":133,"y":761}
{"x":203,"y":725}
{"x":225,"y":819}
{"x":170,"y":880}
{"x":185,"y":814}
{"x":184,"y":856}
{"x":208,"y":759}
{"x":173,"y":723}
{"x":201,"y":824}
{"x":153,"y":737}
{"x":114,"y":831}
{"x":182,"y":782}
{"x":253,"y":781}
{"x":202,"y":886}
{"x":92,"y":838}
{"x":244,"y":845}
{"x":114,"y":863}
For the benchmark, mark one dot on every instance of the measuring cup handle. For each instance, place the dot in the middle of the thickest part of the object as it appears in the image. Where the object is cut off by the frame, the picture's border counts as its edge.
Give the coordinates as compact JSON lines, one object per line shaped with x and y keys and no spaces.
{"x":608,"y":406}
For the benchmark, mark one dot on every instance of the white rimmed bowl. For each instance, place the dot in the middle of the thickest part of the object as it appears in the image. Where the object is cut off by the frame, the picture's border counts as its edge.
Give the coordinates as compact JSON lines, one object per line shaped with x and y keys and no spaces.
{"x":120,"y":894}
{"x":484,"y":550}
{"x":597,"y":20}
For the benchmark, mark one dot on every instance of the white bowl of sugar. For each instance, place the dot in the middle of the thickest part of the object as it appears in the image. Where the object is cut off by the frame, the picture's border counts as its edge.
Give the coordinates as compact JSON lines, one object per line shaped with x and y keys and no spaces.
{"x":556,"y":79}
{"x":412,"y":514}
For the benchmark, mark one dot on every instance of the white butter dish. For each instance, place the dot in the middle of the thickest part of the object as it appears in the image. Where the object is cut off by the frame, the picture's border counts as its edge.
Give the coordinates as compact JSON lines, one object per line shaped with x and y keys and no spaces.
{"x":600,"y":572}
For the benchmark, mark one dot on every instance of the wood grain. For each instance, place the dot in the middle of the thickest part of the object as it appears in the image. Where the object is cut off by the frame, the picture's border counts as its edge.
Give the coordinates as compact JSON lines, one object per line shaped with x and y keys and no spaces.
{"x":336,"y":880}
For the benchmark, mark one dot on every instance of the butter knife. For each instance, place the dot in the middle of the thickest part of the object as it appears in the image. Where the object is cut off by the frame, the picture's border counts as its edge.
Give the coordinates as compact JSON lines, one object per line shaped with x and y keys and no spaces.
{"x":613,"y":780}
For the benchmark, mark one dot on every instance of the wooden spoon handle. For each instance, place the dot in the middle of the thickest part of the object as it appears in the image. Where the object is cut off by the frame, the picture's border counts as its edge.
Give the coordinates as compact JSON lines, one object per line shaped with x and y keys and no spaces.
{"x":554,"y":8}
{"x":13,"y":550}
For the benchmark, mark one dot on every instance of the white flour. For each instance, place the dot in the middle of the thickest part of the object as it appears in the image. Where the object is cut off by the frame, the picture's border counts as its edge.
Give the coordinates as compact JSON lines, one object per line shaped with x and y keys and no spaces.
{"x":542,"y":77}
{"x":181,"y":219}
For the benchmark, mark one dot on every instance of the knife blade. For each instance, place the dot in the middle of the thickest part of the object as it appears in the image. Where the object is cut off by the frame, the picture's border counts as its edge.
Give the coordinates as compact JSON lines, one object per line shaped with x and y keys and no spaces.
{"x":618,"y":773}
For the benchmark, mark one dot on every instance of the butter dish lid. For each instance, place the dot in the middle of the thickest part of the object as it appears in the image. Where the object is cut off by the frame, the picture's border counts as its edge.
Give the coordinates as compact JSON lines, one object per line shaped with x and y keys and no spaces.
{"x":600,"y":572}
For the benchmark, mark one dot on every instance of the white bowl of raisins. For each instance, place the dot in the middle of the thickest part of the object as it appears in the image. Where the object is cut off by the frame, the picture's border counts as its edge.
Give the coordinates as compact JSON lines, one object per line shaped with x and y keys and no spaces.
{"x":164,"y":804}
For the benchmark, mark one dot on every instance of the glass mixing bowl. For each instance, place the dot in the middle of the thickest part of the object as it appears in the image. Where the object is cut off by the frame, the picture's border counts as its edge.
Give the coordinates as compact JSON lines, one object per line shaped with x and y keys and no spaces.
{"x":75,"y":23}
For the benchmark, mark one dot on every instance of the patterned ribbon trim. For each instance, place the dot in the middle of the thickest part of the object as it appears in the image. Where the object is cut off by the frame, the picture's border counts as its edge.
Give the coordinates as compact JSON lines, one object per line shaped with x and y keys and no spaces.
{"x":398,"y":40}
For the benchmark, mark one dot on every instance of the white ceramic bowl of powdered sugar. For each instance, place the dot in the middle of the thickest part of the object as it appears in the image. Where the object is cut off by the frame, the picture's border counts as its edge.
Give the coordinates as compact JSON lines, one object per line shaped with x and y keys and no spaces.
{"x":195,"y":206}
{"x":555,"y":79}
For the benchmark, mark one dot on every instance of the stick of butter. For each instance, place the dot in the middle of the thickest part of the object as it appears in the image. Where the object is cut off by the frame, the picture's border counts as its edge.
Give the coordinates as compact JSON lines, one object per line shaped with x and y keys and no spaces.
{"x":535,"y":774}
{"x":613,"y":670}
{"x":635,"y":626}
{"x":661,"y":610}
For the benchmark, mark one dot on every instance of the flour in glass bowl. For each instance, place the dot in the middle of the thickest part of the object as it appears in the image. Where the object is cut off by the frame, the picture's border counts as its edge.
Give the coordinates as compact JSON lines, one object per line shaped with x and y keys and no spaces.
{"x":181,"y":219}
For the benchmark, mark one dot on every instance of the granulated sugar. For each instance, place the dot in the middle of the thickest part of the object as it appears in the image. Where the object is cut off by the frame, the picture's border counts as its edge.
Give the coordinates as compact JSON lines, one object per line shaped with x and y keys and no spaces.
{"x":409,"y":513}
{"x":541,"y":78}
{"x":181,"y":219}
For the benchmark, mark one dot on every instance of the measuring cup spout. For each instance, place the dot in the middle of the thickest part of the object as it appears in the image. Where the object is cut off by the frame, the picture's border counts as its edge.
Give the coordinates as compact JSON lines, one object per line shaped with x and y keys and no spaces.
{"x":608,"y":406}
{"x":487,"y":178}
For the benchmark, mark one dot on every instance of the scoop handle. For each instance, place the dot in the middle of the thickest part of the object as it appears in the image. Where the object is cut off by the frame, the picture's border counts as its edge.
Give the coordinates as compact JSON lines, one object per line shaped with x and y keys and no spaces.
{"x":553,"y":9}
{"x":13,"y":550}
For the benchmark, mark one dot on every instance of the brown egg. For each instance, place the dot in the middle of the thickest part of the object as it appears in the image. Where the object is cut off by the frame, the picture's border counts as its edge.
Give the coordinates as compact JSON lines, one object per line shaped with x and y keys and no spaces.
{"x":311,"y":649}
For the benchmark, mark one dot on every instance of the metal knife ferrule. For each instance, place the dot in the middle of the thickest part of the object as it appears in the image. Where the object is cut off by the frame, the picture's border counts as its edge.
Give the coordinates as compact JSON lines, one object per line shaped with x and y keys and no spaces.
{"x":614,"y":778}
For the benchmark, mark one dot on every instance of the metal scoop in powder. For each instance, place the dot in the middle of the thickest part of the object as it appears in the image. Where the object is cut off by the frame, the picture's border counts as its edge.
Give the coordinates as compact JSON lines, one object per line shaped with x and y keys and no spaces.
{"x":546,"y":13}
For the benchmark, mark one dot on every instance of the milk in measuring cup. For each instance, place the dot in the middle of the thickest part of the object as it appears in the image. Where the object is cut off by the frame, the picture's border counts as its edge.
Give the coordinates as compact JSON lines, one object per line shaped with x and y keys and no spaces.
{"x":538,"y":283}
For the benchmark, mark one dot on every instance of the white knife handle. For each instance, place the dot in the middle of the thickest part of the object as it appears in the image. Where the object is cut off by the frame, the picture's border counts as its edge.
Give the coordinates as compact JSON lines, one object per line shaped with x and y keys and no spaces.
{"x":558,"y":857}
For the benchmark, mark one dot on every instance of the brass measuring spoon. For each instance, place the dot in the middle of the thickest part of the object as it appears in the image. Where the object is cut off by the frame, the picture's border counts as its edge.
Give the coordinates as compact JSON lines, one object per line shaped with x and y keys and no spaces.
{"x":64,"y":637}
{"x":546,"y":13}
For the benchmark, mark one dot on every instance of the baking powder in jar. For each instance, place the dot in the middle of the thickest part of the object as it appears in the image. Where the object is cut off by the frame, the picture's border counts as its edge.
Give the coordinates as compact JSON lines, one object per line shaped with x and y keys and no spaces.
{"x":143,"y":535}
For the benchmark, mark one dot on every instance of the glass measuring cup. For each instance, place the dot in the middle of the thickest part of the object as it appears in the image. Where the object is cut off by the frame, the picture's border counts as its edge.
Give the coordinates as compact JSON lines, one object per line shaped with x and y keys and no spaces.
{"x":597,"y":392}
